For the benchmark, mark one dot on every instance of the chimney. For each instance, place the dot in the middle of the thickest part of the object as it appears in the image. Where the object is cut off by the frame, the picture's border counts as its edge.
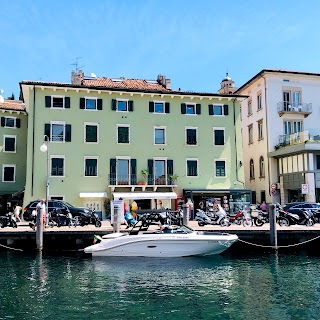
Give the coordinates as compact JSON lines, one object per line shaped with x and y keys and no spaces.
{"x":77,"y":78}
{"x":164,"y":81}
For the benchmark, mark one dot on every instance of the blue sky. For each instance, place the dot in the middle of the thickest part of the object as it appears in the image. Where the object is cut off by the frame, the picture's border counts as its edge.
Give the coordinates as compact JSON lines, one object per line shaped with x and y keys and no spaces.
{"x":194,"y":43}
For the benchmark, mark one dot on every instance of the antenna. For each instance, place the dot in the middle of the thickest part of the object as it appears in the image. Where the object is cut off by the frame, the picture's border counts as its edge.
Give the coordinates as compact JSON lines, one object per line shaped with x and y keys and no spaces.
{"x":76,"y":64}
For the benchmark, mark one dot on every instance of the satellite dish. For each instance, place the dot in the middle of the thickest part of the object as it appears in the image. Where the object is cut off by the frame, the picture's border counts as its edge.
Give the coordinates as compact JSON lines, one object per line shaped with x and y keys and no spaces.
{"x":1,"y":99}
{"x":93,"y":75}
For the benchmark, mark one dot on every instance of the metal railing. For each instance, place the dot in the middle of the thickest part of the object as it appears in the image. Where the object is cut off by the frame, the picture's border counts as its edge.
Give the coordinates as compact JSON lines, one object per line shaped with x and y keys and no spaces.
{"x":286,"y":106}
{"x":129,"y":180}
{"x":297,"y":138}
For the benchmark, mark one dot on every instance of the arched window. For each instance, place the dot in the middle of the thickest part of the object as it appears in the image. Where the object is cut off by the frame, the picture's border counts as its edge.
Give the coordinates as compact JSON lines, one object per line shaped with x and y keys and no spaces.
{"x":261,"y":167}
{"x":251,"y":169}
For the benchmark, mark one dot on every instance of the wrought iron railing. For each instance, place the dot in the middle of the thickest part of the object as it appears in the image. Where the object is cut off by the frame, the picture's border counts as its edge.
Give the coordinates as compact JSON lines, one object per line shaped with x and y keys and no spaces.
{"x":286,"y":106}
{"x":296,"y":138}
{"x":129,"y":180}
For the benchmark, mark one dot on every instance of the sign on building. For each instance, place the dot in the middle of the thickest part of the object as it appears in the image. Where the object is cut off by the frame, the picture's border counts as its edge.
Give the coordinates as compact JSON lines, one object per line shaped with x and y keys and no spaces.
{"x":120,"y":206}
{"x":304,"y":188}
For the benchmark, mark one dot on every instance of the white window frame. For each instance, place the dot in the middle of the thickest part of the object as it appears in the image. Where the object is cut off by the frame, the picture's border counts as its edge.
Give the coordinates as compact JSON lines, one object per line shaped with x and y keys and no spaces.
{"x":90,"y":98}
{"x":225,"y":168}
{"x":64,"y":165}
{"x":186,"y":136}
{"x":5,"y":165}
{"x":127,"y":104}
{"x":63,"y":123}
{"x":224,"y":136}
{"x":259,"y":101}
{"x":194,"y":105}
{"x":123,"y":125}
{"x":58,"y":96}
{"x":262,"y":168}
{"x":222,"y":110}
{"x":163,"y":107}
{"x":260,"y":129}
{"x":154,"y":135}
{"x":192,"y":159}
{"x":15,"y":122}
{"x":15,"y":143}
{"x":53,"y":197}
{"x":165,"y":167}
{"x":125,"y":158}
{"x":84,"y":166}
{"x":249,"y":107}
{"x":250,"y":134}
{"x":85,"y":131}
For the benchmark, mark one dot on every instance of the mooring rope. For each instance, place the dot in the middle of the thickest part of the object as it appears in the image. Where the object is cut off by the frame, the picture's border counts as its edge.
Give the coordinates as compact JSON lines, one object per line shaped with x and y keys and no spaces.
{"x":1,"y":245}
{"x":276,"y":247}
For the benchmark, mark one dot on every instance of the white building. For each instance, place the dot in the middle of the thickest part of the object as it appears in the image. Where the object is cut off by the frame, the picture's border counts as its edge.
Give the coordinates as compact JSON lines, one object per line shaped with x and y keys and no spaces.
{"x":281,"y":135}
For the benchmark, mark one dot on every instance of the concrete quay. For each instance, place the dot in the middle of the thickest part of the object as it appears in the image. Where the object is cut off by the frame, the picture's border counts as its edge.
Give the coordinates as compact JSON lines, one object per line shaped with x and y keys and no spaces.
{"x":73,"y":239}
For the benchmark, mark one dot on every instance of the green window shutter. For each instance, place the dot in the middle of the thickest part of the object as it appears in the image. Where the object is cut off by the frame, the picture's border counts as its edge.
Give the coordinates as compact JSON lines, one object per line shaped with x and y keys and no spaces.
{"x":211,"y":113}
{"x":170,"y":167}
{"x":113,"y":171}
{"x":150,"y":171}
{"x":130,"y":105}
{"x":123,"y":134}
{"x":191,"y":136}
{"x":91,"y":133}
{"x":183,"y":108}
{"x":167,"y":107}
{"x":18,"y":123}
{"x":133,"y":171}
{"x":47,"y":130}
{"x":225,"y":110}
{"x":219,"y":137}
{"x":48,"y":101}
{"x":67,"y":102}
{"x":198,"y":108}
{"x":114,"y":104}
{"x":82,"y":103}
{"x":3,"y":121}
{"x":99,"y":104}
{"x":68,"y":133}
{"x":151,"y":106}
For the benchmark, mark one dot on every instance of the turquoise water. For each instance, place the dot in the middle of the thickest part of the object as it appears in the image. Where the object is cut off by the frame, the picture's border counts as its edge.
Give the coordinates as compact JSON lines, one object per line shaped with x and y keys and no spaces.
{"x":266,"y":286}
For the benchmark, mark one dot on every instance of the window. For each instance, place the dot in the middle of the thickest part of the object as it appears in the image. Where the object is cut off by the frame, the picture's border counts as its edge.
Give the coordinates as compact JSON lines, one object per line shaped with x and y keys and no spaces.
{"x":122,"y":105}
{"x":91,"y":132}
{"x":160,"y":170}
{"x":57,"y":166}
{"x":318,"y":162}
{"x":220,"y":168}
{"x":293,"y":127}
{"x":261,"y":167}
{"x":8,"y":173}
{"x":10,"y":122}
{"x":218,"y":110}
{"x":291,"y":100}
{"x":250,"y":133}
{"x":251,"y":169}
{"x":249,"y":107}
{"x":159,"y":135}
{"x":218,"y":137}
{"x":58,"y":102}
{"x":192,"y":167}
{"x":9,"y":144}
{"x":159,"y":107}
{"x":91,"y":167}
{"x":90,"y":103}
{"x":260,"y":129}
{"x":123,"y":134}
{"x":58,"y":131}
{"x":123,"y":171}
{"x":191,"y":136}
{"x":190,"y":108}
{"x":259,"y":101}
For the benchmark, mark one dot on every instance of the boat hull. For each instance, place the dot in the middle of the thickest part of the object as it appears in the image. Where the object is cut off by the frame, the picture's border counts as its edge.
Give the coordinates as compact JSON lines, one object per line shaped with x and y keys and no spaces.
{"x":162,"y":245}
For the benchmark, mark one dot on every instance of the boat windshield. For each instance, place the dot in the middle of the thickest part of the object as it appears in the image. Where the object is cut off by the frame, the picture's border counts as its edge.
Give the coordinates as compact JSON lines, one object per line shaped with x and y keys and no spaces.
{"x":185,"y":229}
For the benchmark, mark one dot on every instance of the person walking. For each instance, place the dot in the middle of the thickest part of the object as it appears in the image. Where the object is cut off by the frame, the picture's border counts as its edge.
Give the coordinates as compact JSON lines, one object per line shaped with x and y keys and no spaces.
{"x":17,"y":211}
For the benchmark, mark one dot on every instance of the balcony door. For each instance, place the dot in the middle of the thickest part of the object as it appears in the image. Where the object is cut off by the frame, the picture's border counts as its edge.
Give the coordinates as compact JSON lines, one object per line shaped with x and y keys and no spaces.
{"x":123,"y":171}
{"x":286,"y":100}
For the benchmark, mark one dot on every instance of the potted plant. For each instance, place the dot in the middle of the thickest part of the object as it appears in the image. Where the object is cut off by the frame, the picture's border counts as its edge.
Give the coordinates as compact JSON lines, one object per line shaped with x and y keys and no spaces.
{"x":173,"y":178}
{"x":145,"y":174}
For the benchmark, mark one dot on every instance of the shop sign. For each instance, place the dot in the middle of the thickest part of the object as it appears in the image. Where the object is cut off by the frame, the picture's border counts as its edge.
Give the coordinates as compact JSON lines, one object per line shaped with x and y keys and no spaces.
{"x":304,"y":188}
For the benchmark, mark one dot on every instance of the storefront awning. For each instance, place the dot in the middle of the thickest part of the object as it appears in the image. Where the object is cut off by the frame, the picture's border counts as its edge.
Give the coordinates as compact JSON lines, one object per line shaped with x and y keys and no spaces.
{"x":144,"y":195}
{"x":93,"y":195}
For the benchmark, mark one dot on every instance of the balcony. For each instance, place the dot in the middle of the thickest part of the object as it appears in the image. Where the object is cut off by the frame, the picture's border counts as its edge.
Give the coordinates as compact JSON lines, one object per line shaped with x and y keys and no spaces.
{"x":297,"y":138}
{"x":132,"y":182}
{"x":286,"y":107}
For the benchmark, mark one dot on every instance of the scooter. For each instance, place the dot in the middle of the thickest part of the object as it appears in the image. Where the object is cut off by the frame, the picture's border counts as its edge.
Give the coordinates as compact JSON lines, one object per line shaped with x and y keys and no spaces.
{"x":8,"y":220}
{"x":129,"y":219}
{"x":89,"y":218}
{"x":304,"y":217}
{"x":203,"y":219}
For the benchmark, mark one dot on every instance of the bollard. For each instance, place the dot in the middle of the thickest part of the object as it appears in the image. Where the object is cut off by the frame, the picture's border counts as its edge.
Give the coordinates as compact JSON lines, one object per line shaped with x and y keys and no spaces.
{"x":39,"y":231}
{"x":185,"y":208}
{"x":273,"y":228}
{"x":116,"y":225}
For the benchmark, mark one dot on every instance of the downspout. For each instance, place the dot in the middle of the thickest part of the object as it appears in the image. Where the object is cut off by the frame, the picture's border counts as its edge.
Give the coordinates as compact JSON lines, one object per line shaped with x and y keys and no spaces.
{"x":235,"y":142}
{"x":33,"y":137}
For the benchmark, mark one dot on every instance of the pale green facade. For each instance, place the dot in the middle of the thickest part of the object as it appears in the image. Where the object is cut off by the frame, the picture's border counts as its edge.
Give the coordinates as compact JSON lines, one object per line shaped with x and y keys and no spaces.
{"x":141,"y":146}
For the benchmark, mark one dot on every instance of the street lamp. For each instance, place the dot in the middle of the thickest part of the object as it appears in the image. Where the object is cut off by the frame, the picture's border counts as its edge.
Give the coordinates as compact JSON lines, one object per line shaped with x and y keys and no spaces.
{"x":45,"y":148}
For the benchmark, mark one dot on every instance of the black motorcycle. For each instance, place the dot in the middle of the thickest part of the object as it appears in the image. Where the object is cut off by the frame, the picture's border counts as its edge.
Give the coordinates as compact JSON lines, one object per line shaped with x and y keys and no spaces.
{"x":302,"y":217}
{"x":89,"y":218}
{"x":259,"y":217}
{"x":8,"y":220}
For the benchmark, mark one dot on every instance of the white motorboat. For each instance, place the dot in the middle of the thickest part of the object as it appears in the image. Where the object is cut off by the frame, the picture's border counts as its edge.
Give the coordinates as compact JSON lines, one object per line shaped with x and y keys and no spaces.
{"x":178,"y":241}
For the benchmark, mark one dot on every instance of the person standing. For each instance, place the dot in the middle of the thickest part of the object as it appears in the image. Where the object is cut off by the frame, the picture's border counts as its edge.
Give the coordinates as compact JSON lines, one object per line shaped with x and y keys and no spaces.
{"x":263,"y":206}
{"x":41,"y":209}
{"x":17,"y":211}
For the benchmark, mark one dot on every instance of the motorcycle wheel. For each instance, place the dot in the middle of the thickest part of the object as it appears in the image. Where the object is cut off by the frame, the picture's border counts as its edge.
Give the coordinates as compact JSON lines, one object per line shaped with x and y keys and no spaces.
{"x":237,"y":221}
{"x":1,"y":224}
{"x":258,"y":222}
{"x":98,"y":223}
{"x":14,"y":224}
{"x":224,"y":223}
{"x":284,"y":222}
{"x":247,"y":222}
{"x":200,"y":223}
{"x":309,"y":223}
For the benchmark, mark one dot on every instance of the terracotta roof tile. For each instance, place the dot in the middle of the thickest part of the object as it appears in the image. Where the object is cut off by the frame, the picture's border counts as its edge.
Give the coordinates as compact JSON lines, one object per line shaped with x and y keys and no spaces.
{"x":16,"y":105}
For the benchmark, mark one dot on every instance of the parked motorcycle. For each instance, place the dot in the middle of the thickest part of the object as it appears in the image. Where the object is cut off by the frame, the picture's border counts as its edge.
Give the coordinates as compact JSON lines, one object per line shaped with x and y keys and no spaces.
{"x":204,"y":218}
{"x":65,"y":219}
{"x":8,"y":220}
{"x":89,"y":218}
{"x":259,"y":217}
{"x":303,"y":217}
{"x":241,"y":217}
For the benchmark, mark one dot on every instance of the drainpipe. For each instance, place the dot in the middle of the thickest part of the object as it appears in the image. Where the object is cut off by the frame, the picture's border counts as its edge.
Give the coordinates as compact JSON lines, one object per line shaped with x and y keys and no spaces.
{"x":33,"y":137}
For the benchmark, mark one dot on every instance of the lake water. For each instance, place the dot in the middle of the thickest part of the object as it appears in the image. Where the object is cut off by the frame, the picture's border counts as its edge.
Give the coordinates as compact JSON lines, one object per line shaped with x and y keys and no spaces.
{"x":73,"y":286}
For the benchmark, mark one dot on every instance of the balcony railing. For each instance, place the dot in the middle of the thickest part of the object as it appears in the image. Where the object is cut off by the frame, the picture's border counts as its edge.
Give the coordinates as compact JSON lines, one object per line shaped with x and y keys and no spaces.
{"x":297,"y":138}
{"x":132,"y":180}
{"x":285,"y":106}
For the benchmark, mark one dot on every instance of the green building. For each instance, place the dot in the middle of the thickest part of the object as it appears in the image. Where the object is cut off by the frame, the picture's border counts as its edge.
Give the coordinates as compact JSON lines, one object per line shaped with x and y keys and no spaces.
{"x":132,"y":139}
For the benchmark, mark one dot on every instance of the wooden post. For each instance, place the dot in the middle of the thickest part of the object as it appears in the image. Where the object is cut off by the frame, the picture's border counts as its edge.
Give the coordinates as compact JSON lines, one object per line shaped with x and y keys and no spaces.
{"x":116,"y":225}
{"x":185,"y":208}
{"x":39,"y":231}
{"x":273,"y":228}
